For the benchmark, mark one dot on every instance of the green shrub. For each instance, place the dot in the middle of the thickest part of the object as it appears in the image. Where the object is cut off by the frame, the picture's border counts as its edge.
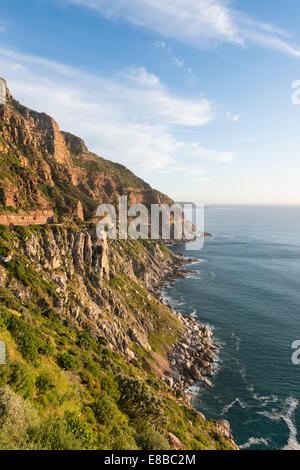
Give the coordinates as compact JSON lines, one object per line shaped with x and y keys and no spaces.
{"x":105,"y":411}
{"x":152,"y":440}
{"x":68,"y":362}
{"x":5,"y":233}
{"x":139,"y":400}
{"x":27,"y":338}
{"x":18,"y":420}
{"x":45,"y":381}
{"x":54,"y":434}
{"x":22,"y":379}
{"x":81,"y":430}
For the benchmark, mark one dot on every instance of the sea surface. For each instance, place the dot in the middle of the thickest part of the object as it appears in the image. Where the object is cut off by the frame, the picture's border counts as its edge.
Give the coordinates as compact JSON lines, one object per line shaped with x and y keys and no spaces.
{"x":246,"y":287}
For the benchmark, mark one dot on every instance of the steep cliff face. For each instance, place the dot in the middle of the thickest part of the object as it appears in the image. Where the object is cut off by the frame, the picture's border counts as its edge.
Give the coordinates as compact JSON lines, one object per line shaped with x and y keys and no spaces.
{"x":88,"y":342}
{"x":42,"y":168}
{"x":92,"y":283}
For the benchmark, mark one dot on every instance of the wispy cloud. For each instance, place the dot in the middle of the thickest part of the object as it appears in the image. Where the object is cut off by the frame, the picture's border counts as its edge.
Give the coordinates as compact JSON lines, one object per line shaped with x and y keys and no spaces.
{"x":132,"y":117}
{"x":191,"y":21}
{"x":178,"y":62}
{"x":195,"y":22}
{"x":233,"y":117}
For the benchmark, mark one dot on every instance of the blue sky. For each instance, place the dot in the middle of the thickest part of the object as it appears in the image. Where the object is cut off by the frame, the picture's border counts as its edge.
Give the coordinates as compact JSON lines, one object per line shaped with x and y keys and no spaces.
{"x":192,"y":95}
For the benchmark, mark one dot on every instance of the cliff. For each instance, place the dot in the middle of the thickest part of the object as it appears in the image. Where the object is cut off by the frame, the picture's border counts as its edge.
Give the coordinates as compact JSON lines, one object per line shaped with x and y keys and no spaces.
{"x":44,"y":169}
{"x":89,"y":342}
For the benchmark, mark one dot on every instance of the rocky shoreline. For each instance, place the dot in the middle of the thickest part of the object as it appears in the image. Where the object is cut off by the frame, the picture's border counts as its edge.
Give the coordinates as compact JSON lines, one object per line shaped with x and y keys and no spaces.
{"x":193,"y":358}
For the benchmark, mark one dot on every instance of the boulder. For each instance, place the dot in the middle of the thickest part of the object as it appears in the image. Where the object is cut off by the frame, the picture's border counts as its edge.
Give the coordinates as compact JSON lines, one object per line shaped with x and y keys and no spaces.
{"x":207,"y":383}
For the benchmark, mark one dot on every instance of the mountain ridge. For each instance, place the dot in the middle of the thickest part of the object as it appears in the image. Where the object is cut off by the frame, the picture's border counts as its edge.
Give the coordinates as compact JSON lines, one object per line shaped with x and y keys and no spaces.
{"x":52,"y":170}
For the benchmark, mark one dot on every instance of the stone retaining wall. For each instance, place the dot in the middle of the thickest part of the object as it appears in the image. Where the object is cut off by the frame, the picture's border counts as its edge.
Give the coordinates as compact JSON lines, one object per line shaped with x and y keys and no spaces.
{"x":41,"y":217}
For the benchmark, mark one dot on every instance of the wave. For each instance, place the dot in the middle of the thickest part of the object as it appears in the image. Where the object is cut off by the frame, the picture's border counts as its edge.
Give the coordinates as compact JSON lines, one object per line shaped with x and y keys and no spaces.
{"x":193,"y":276}
{"x":196,"y":261}
{"x":230,"y":405}
{"x":238,"y":341}
{"x":254,"y":441}
{"x":287,"y":414}
{"x":209,"y":326}
{"x":265,"y":400}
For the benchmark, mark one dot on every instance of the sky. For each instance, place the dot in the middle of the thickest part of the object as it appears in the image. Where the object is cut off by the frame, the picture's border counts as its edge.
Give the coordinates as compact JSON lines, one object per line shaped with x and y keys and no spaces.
{"x":194,"y":96}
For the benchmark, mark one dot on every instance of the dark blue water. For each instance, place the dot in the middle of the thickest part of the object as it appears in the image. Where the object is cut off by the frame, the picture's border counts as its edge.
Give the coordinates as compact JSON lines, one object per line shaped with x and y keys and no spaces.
{"x":247,"y":287}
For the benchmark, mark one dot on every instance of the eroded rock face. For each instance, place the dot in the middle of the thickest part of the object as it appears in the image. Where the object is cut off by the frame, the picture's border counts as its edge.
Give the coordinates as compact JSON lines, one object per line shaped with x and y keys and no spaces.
{"x":223,"y":427}
{"x":80,"y":266}
{"x":40,"y":157}
{"x":175,"y":443}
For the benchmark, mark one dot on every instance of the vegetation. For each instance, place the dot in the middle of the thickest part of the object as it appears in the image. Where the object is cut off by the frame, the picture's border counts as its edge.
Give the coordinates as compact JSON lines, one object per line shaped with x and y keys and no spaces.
{"x":62,"y":386}
{"x":117,"y":172}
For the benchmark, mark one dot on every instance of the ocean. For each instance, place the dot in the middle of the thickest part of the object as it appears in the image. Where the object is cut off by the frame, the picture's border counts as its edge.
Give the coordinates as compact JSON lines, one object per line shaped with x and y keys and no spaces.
{"x":246,"y":287}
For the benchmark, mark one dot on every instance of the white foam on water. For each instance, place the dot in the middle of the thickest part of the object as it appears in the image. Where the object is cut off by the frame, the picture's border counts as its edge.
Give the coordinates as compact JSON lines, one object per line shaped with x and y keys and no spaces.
{"x":287,"y":414}
{"x":230,"y":405}
{"x":209,"y":326}
{"x":238,"y":341}
{"x":253,"y":441}
{"x":192,"y":276}
{"x":265,"y":400}
{"x":197,"y":261}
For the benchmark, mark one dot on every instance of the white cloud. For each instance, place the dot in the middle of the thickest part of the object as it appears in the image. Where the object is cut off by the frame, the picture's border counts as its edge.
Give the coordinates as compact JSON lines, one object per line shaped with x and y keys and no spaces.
{"x":198,"y":152}
{"x":178,"y":62}
{"x":131,"y":118}
{"x":191,"y":21}
{"x":143,"y":78}
{"x":233,"y":117}
{"x":237,"y":117}
{"x":194,"y":22}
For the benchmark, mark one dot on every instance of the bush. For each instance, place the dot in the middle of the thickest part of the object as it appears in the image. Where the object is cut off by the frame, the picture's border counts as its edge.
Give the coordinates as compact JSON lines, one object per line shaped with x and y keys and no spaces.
{"x":152,"y":440}
{"x":54,"y":434}
{"x":68,"y":362}
{"x":27,"y":338}
{"x":22,"y":379}
{"x":140,"y":401}
{"x":105,"y":411}
{"x":81,"y":430}
{"x":18,"y":419}
{"x":45,"y":381}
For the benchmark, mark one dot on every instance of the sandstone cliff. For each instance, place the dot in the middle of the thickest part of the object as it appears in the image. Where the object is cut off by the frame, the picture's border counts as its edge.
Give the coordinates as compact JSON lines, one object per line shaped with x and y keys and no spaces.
{"x":44,"y":169}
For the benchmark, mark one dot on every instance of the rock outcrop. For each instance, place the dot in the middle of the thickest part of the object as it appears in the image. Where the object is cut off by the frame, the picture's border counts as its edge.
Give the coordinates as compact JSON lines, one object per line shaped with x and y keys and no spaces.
{"x":175,"y":443}
{"x":42,"y":168}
